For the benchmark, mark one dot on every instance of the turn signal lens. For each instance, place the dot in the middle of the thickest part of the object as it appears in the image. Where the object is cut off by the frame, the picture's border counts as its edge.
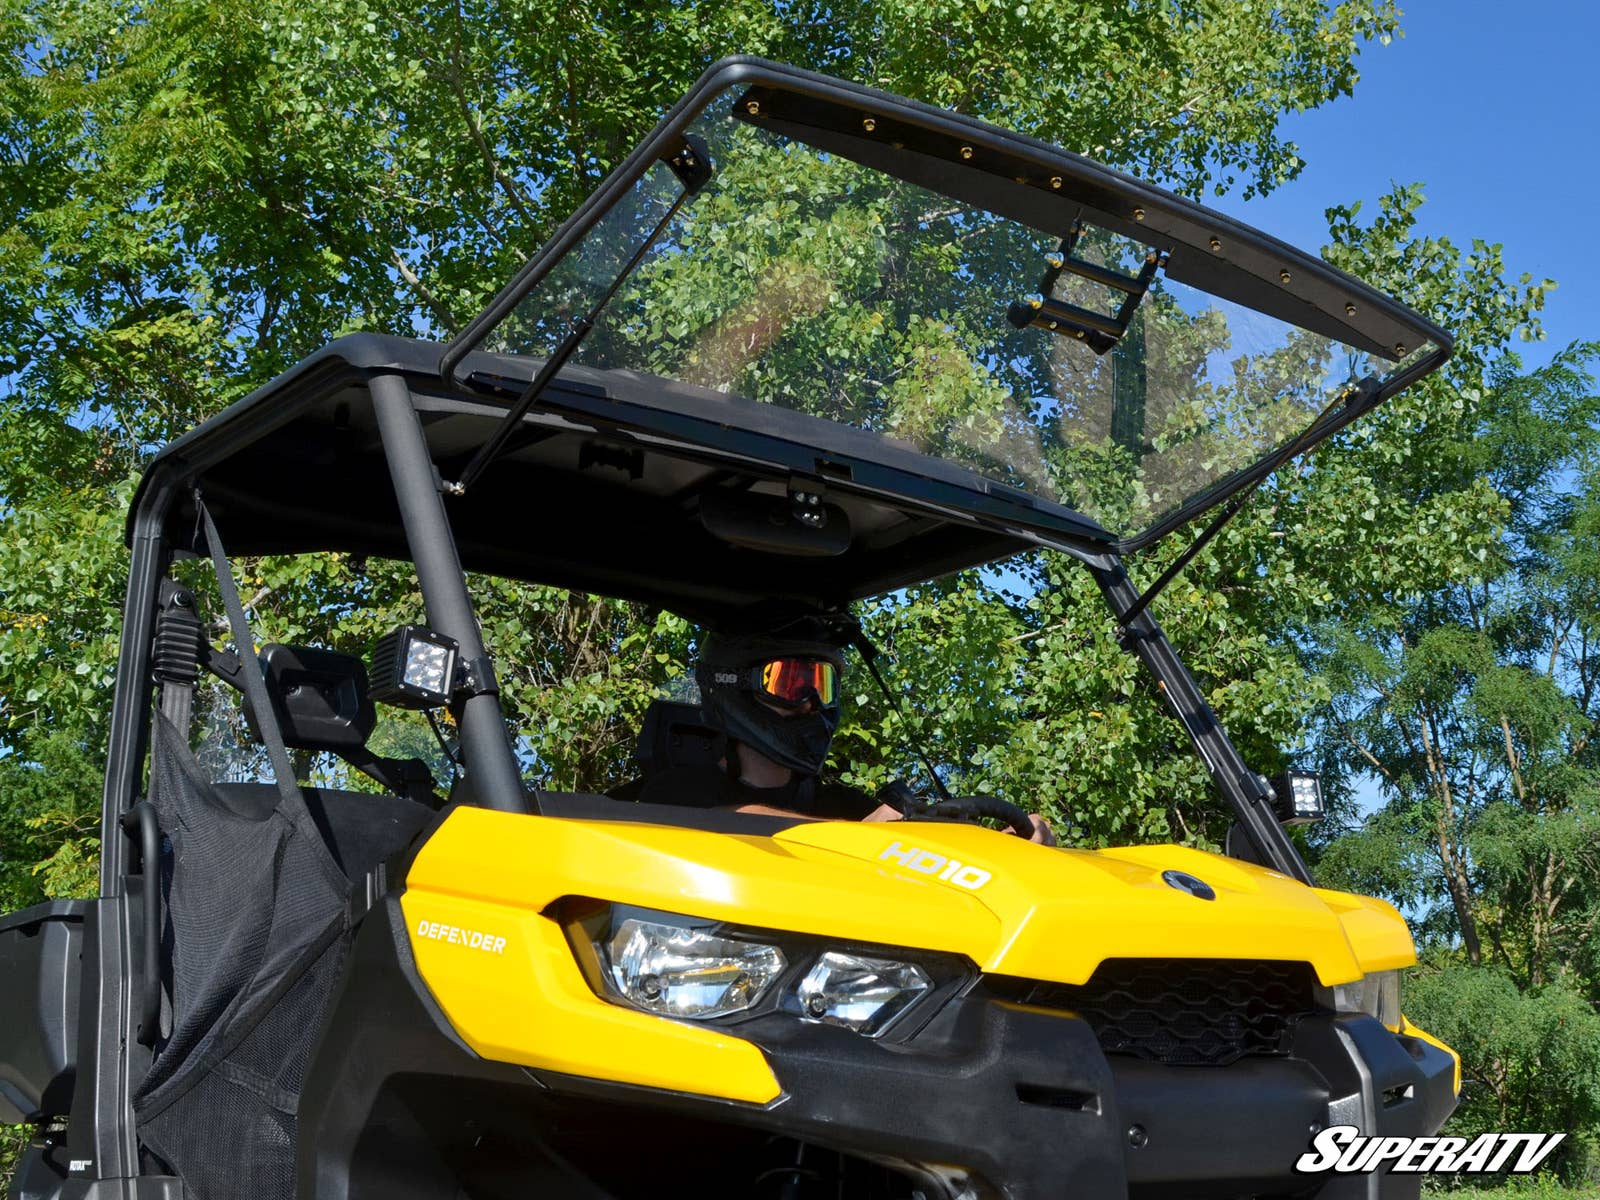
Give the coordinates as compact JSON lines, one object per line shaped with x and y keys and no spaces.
{"x":859,"y":993}
{"x":1377,"y":995}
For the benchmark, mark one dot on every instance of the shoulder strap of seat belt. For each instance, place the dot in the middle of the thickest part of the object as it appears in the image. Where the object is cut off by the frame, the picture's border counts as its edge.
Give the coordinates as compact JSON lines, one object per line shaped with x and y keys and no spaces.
{"x":255,"y":686}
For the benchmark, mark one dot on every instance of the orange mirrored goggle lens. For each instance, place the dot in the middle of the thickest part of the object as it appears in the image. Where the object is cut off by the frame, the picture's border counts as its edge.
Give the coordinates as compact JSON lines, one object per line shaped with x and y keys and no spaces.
{"x":793,"y":680}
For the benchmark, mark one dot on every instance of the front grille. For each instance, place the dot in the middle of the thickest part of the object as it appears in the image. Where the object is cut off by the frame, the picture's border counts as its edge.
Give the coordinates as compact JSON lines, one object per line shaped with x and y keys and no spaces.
{"x":1187,"y":1012}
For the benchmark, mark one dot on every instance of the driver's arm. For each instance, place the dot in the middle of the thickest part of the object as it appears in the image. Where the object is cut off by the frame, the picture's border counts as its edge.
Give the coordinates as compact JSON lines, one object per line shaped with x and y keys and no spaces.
{"x":1042,"y":833}
{"x":766,"y":810}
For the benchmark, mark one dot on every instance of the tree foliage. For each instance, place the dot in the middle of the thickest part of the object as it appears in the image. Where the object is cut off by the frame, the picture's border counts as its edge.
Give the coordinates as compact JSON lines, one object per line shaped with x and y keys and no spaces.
{"x":1473,"y":702}
{"x":195,"y":194}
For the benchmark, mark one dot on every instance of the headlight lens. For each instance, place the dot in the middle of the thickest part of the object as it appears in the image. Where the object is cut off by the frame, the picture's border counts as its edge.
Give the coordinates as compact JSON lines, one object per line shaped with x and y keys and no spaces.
{"x":1377,"y":995}
{"x":701,"y":969}
{"x":860,"y":993}
{"x":685,"y":970}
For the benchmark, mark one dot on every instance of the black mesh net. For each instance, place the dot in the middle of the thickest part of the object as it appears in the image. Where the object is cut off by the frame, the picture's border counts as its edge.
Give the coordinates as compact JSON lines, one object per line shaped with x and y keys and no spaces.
{"x":256,"y":935}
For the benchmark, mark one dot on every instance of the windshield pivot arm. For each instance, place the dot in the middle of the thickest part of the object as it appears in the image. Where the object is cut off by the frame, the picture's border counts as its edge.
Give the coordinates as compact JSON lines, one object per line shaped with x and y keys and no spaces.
{"x":692,"y":166}
{"x":1098,"y":330}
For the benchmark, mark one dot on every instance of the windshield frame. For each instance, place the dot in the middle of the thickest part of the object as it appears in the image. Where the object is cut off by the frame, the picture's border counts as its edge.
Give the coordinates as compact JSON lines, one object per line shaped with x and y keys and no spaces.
{"x":1210,"y":251}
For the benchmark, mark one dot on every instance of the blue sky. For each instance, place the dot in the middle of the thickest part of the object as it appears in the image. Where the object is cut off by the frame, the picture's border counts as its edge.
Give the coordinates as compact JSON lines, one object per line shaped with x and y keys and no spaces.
{"x":1495,"y":108}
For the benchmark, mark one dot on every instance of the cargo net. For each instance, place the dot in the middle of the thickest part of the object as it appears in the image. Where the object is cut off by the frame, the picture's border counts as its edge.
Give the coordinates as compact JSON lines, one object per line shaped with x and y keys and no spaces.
{"x":256,"y":933}
{"x":1188,"y":1012}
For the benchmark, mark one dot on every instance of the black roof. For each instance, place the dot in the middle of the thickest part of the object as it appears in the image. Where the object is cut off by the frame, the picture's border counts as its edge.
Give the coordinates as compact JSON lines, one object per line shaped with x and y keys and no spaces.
{"x":603,"y":495}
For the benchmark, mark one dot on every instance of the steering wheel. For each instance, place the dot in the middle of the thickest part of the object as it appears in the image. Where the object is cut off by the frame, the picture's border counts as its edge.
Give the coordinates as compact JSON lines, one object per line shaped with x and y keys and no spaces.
{"x":977,"y":808}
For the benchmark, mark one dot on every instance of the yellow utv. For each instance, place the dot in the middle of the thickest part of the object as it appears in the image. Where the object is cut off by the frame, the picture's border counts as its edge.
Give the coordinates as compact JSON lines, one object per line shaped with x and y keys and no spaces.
{"x":809,"y":343}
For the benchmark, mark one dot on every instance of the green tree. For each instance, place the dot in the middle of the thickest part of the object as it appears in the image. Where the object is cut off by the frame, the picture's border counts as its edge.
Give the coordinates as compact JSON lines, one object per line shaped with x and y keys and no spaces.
{"x":1530,"y":1060}
{"x":197,"y":194}
{"x":1473,"y":702}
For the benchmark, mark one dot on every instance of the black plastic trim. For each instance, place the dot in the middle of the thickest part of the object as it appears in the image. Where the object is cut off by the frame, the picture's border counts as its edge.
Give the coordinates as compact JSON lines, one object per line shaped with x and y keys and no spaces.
{"x":40,"y":952}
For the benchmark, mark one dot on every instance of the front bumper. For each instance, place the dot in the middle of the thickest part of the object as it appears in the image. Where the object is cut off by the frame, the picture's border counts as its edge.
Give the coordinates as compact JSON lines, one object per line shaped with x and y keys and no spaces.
{"x":990,"y":1099}
{"x":1024,"y":1102}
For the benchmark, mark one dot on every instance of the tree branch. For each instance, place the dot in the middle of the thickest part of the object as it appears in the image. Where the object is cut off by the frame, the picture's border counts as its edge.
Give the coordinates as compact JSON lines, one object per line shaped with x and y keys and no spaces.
{"x":441,"y":311}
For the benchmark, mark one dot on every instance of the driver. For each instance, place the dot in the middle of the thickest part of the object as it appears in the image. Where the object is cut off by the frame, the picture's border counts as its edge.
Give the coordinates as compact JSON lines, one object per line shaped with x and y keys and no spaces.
{"x":771,"y":687}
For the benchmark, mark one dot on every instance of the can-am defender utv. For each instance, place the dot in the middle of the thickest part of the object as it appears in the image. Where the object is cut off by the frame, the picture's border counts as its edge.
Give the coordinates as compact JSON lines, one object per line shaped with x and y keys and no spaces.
{"x":810,"y":342}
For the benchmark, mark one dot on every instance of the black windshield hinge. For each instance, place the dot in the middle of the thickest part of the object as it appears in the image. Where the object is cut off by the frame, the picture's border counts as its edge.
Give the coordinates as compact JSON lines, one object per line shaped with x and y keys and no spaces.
{"x":690,"y":162}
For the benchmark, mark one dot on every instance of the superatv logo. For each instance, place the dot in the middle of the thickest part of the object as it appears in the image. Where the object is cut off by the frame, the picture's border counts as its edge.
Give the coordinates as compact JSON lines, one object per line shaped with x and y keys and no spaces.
{"x":951,"y":870}
{"x":1344,"y":1150}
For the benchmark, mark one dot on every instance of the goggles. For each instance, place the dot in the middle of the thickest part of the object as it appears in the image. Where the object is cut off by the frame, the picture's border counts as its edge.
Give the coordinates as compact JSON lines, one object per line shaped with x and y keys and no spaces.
{"x":793,"y":681}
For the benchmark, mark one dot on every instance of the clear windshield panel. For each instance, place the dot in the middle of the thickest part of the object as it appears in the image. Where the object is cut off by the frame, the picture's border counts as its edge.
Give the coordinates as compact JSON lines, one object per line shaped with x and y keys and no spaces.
{"x":803,"y":279}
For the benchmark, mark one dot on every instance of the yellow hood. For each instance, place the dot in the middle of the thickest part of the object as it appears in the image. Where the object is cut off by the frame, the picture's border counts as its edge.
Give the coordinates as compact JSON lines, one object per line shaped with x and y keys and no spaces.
{"x":1012,"y":907}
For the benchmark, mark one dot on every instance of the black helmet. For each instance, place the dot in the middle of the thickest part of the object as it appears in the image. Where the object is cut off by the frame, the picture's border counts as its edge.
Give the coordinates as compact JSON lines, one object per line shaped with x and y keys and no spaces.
{"x":753,"y":670}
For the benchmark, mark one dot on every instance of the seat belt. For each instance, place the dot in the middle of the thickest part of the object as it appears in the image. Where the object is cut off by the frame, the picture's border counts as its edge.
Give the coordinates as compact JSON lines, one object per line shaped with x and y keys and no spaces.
{"x":251,"y":678}
{"x":407,"y":777}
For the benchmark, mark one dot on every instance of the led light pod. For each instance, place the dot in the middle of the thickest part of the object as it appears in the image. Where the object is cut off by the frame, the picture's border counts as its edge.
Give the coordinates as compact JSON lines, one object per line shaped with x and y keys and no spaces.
{"x":1298,"y":798}
{"x":413,"y":667}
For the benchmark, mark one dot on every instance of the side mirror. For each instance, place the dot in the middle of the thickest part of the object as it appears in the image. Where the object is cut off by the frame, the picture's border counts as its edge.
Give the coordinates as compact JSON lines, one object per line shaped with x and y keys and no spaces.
{"x":320,"y":696}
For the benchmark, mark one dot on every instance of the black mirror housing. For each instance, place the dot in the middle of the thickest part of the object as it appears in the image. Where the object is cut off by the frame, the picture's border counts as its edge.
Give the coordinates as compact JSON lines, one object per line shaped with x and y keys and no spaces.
{"x":321,"y":698}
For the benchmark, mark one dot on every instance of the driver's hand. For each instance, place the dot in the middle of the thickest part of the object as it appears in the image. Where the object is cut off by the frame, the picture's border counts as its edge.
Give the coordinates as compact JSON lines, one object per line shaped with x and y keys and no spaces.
{"x":1042,"y":833}
{"x":884,"y":813}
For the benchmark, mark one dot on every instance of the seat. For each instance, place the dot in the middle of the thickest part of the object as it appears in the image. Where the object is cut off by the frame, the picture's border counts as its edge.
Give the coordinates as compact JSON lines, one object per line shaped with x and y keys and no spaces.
{"x":675,"y":734}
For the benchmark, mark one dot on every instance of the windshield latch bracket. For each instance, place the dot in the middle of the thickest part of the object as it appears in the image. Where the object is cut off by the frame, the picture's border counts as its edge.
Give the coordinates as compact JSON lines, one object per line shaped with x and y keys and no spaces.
{"x":1099,"y":331}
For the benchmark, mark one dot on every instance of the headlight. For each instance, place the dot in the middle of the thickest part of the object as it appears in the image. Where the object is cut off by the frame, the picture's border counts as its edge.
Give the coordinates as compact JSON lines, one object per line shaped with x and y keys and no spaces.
{"x":687,"y":969}
{"x":701,"y":969}
{"x":860,"y":993}
{"x":1377,"y":995}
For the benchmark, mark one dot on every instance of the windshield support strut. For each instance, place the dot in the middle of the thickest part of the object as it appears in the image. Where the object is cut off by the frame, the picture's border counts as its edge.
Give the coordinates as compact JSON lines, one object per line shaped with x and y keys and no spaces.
{"x":692,"y":165}
{"x":1224,"y":515}
{"x":1360,"y":397}
{"x":1247,"y":793}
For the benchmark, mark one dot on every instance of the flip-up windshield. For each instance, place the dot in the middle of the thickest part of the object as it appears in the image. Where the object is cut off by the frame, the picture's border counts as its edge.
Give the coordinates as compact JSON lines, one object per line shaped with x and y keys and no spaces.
{"x":1056,"y":354}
